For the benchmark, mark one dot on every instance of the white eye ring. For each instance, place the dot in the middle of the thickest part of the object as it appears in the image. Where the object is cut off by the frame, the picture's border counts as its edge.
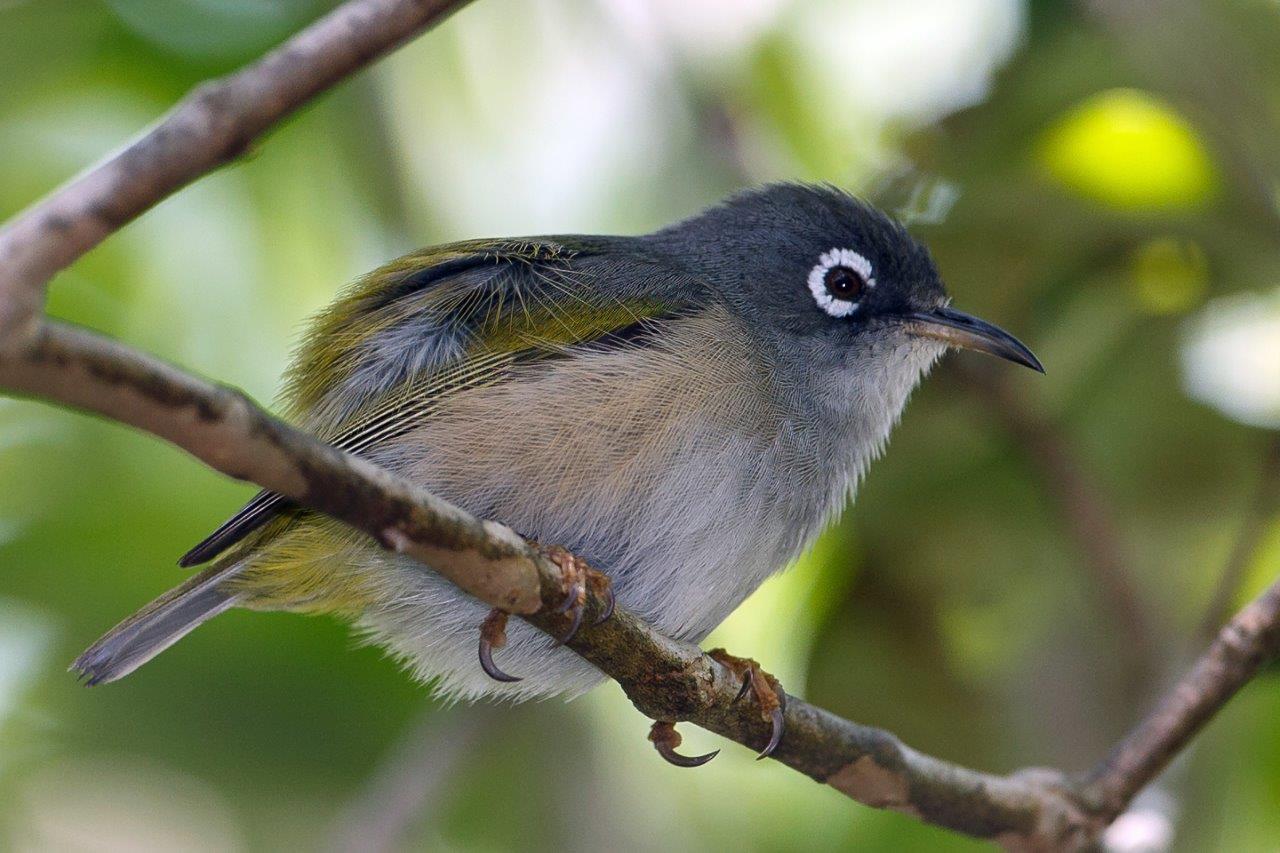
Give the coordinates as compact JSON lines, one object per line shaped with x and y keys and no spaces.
{"x":818,"y":280}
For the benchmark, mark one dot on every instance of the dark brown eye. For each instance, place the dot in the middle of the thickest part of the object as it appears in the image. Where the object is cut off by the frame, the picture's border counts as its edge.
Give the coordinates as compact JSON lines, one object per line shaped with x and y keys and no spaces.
{"x":844,"y":283}
{"x":839,"y":280}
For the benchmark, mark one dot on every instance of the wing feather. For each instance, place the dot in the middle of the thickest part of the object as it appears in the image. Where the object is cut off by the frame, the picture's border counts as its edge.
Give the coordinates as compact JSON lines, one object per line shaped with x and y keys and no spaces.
{"x":403,"y":339}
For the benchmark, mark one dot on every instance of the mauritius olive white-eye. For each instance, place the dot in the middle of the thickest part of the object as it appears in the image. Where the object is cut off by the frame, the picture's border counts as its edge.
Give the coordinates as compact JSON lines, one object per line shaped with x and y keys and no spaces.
{"x":686,"y":410}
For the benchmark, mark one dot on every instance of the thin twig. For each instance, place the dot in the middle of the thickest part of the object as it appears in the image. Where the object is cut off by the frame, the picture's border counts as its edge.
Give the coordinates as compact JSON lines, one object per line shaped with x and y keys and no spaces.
{"x":408,"y":787}
{"x":1087,"y":520}
{"x":1239,"y":652}
{"x":1262,"y":509}
{"x":212,"y":126}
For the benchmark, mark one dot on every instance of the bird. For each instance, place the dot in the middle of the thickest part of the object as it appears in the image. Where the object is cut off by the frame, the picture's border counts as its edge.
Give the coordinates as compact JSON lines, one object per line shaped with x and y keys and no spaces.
{"x":685,"y":410}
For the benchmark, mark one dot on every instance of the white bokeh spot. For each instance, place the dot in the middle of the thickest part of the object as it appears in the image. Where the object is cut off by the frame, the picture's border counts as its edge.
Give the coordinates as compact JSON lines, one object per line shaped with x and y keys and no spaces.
{"x":1231,"y":358}
{"x":926,"y":59}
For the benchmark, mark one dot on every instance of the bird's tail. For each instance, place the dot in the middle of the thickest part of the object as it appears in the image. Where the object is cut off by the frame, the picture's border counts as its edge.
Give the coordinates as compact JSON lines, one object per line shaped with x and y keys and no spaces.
{"x":157,"y":626}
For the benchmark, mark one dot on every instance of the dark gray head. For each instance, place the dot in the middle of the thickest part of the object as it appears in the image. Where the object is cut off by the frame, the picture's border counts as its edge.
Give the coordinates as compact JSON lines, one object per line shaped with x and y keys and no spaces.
{"x":813,"y":266}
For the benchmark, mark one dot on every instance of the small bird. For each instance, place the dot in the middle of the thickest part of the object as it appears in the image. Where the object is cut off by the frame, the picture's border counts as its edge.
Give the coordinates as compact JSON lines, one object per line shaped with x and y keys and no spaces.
{"x":685,"y":410}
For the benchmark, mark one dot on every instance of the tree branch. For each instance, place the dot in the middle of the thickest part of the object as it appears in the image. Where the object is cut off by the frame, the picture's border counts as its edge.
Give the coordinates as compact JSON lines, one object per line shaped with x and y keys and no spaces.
{"x":232,"y":434}
{"x":664,"y":679}
{"x":1242,"y":648}
{"x":1261,"y":510}
{"x":213,"y":125}
{"x":1086,"y":519}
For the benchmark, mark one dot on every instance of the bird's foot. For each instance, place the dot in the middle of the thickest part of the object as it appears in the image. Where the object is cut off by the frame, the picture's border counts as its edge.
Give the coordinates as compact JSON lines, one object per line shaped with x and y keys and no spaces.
{"x":579,"y":579}
{"x":665,"y":739}
{"x":770,"y":698}
{"x":493,"y":635}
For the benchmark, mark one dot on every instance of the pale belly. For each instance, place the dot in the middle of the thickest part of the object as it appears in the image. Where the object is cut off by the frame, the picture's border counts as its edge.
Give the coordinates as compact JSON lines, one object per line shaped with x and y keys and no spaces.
{"x":688,"y":496}
{"x":683,"y":550}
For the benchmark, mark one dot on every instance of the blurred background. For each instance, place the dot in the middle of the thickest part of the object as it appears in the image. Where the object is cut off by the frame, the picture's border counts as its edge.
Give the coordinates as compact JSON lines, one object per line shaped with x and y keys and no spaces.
{"x":1032,"y":559}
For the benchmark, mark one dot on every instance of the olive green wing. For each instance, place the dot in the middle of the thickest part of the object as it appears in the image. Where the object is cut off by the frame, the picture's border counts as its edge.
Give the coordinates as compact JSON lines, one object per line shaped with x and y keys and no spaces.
{"x":402,"y":339}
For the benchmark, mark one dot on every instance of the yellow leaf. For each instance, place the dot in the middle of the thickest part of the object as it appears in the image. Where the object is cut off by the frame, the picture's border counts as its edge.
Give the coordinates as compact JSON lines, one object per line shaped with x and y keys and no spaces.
{"x":1130,"y":150}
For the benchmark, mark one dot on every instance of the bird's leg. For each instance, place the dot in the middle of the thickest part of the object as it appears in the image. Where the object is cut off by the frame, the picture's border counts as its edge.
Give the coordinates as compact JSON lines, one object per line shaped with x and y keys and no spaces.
{"x":764,"y":688}
{"x":579,"y":578}
{"x":665,"y":739}
{"x":493,"y":635}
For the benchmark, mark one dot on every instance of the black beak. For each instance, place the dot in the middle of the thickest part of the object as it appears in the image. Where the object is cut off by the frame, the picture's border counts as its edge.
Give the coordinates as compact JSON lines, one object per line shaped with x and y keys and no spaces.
{"x":958,"y":329}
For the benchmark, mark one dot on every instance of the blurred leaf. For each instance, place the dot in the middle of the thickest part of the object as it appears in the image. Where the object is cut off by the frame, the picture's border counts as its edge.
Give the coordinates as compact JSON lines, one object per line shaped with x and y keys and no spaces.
{"x":1264,"y":568}
{"x":219,"y":30}
{"x":1128,"y":149}
{"x":1170,"y":276}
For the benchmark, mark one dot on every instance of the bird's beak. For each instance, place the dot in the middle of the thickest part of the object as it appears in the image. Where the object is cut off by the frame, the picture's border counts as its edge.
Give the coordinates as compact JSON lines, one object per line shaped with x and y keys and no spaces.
{"x":958,"y":329}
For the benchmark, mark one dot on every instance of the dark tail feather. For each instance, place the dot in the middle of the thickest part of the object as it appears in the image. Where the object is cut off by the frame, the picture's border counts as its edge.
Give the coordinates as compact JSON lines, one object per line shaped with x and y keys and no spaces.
{"x":156,"y":627}
{"x":257,"y":512}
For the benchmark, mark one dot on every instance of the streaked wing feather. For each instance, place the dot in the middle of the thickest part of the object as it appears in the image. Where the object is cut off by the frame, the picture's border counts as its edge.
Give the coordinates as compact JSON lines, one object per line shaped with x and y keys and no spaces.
{"x":461,"y":289}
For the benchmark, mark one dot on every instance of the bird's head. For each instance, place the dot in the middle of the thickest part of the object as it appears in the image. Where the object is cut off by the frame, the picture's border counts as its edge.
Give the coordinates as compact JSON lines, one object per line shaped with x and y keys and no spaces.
{"x":833,"y":289}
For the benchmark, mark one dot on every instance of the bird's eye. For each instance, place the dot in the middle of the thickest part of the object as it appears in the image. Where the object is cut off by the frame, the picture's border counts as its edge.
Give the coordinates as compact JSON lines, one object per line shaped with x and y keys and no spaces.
{"x":843,"y":283}
{"x":839,"y":281}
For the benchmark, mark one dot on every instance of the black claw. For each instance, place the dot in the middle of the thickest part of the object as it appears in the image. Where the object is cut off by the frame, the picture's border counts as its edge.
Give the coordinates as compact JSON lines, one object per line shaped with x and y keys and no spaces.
{"x":487,"y":664}
{"x":573,"y":629}
{"x":575,"y":593}
{"x":779,"y":726}
{"x":672,"y":757}
{"x":610,"y":602}
{"x":665,"y":739}
{"x":776,"y":716}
